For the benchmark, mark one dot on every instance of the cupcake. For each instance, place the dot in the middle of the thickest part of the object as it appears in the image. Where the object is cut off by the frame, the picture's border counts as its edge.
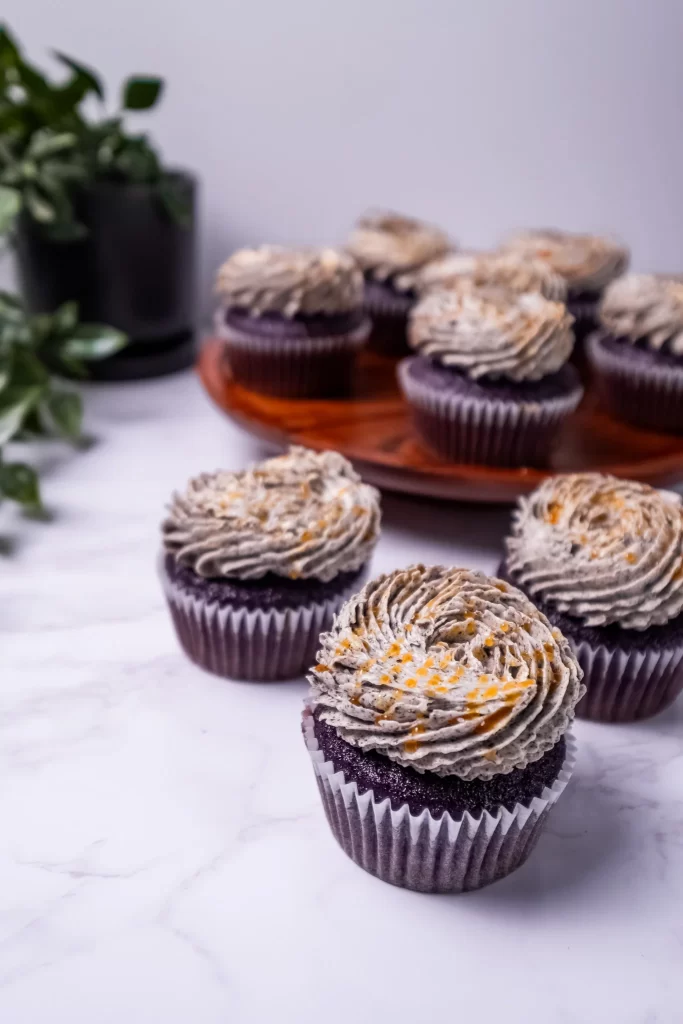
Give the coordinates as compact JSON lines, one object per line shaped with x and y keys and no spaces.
{"x":637,"y":356}
{"x":292,"y":320}
{"x":389,"y":249}
{"x":437,"y":726}
{"x":490,"y":383}
{"x":491,"y":269}
{"x":257,"y":563}
{"x":588,"y":263}
{"x":603,"y":560}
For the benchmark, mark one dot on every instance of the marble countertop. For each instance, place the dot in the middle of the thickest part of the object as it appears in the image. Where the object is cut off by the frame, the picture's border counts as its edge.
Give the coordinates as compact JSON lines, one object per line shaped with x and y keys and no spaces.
{"x":164,"y":855}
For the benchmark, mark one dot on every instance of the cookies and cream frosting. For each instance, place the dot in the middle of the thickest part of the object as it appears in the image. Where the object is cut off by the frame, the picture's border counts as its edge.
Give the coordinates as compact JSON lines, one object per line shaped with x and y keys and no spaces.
{"x":647,"y":308}
{"x":502,"y":270}
{"x":447,"y":671}
{"x":600,"y":549}
{"x":586,"y":262}
{"x":291,"y":282}
{"x":387,"y":244}
{"x":301,"y":515}
{"x":491,"y":332}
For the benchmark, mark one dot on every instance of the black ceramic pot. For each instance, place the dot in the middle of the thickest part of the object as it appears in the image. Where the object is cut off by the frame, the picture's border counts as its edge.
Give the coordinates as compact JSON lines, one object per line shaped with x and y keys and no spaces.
{"x":135,"y":270}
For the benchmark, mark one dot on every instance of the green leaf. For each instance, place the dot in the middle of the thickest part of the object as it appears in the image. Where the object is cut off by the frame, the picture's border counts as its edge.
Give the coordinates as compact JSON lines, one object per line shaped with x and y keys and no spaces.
{"x":15,"y":404}
{"x":11,"y":301}
{"x":46,"y":143}
{"x":4,"y":373}
{"x":20,"y":483}
{"x":85,"y":76}
{"x":64,"y":410}
{"x":10,"y":205}
{"x":141,"y":93}
{"x":93,"y":341}
{"x":9,"y":51}
{"x":33,"y":81}
{"x":38,"y":207}
{"x":41,"y":327}
{"x":66,"y":317}
{"x":28,"y":370}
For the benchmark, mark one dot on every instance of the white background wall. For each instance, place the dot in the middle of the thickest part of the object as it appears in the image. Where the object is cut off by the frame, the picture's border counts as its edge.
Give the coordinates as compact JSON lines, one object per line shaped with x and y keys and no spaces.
{"x":483,"y":115}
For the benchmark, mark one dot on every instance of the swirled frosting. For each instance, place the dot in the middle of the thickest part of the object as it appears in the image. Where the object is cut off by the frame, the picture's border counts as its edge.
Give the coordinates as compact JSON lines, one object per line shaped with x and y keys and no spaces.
{"x":645,"y":307}
{"x":502,"y":270}
{"x":446,"y":671}
{"x":302,"y":515}
{"x":600,"y":549}
{"x":387,"y":244}
{"x":490,"y":332}
{"x":291,"y":282}
{"x":586,"y":262}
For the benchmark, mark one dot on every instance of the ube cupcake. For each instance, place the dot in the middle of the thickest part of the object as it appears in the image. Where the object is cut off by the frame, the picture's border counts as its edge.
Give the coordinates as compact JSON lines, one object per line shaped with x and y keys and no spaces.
{"x":637,"y":357}
{"x":257,"y":563}
{"x":588,"y":264}
{"x":437,"y":727}
{"x":603,"y":559}
{"x":292,"y":320}
{"x":491,"y":383}
{"x":516,"y":273}
{"x":389,"y":249}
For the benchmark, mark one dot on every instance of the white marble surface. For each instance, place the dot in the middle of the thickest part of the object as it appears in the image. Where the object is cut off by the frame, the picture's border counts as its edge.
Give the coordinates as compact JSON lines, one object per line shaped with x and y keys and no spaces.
{"x":163,"y":852}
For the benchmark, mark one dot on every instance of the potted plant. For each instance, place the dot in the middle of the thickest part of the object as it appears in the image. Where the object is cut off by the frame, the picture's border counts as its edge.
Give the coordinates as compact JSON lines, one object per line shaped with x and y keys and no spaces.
{"x":99,"y":219}
{"x":33,"y":404}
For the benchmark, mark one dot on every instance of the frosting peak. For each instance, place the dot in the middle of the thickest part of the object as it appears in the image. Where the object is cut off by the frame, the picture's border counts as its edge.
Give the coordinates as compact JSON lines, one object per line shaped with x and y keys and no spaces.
{"x":645,"y":307}
{"x":447,"y":671}
{"x":301,"y":515}
{"x":385,"y":244}
{"x":291,"y":282}
{"x":491,"y":332}
{"x":504,"y":270}
{"x":600,"y":549}
{"x":586,"y":262}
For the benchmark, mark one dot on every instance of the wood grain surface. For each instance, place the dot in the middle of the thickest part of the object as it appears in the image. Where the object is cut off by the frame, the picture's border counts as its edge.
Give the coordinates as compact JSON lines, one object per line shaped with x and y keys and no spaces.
{"x":373,"y":428}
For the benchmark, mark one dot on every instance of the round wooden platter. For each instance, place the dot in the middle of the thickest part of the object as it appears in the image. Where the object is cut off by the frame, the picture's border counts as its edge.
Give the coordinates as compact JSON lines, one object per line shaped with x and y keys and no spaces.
{"x":373,"y":429}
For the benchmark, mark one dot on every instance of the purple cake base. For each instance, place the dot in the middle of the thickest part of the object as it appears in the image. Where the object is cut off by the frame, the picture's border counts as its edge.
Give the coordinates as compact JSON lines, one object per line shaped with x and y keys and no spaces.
{"x":448,"y":794}
{"x":638,"y":385}
{"x":298,"y":357}
{"x":491,"y":423}
{"x":413,"y":847}
{"x":388,"y":309}
{"x":258,"y":630}
{"x":630,"y":674}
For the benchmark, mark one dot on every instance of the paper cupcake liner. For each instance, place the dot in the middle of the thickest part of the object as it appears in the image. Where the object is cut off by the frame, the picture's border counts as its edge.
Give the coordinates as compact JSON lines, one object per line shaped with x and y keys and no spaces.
{"x":425,"y":853}
{"x":647,"y":396}
{"x":293,"y":367}
{"x":389,"y":314}
{"x":462,"y":428}
{"x":621,"y":685}
{"x":624,"y":686}
{"x":260,"y":645}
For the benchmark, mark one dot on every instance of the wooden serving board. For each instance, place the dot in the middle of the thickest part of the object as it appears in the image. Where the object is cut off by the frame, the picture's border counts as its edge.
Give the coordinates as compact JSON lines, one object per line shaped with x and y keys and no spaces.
{"x":373,"y":428}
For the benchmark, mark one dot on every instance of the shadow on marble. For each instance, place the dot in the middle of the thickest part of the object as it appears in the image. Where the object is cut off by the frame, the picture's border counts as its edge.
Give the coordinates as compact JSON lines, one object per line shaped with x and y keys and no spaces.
{"x":668,"y":722}
{"x":577,"y":850}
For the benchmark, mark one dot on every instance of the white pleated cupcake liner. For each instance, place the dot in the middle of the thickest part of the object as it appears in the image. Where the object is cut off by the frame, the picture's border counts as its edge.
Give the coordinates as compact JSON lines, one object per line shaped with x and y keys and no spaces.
{"x":488,"y":431}
{"x":293,"y":367}
{"x":625,"y":686}
{"x":259,"y":645}
{"x":646,"y":395}
{"x":424,"y":853}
